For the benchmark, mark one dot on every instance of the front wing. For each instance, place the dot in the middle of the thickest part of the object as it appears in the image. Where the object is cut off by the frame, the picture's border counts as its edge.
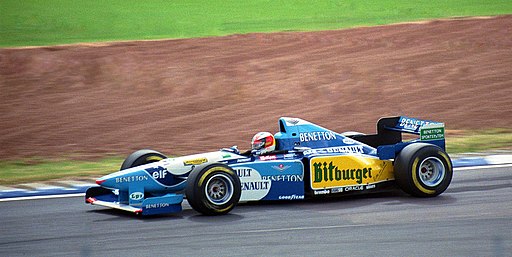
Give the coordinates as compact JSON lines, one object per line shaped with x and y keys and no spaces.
{"x":168,"y":203}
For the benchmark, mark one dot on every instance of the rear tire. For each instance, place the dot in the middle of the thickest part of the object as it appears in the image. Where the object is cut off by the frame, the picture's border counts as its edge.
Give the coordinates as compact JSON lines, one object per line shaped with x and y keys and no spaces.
{"x":142,"y":157}
{"x":423,"y":170}
{"x":213,"y":190}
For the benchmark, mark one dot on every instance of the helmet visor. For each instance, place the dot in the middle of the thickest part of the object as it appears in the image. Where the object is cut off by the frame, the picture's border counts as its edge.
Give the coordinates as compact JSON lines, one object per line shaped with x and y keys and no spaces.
{"x":258,"y":144}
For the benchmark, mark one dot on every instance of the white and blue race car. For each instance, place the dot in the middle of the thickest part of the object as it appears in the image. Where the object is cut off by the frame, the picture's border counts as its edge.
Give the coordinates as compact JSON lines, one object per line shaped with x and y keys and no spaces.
{"x":308,"y":161}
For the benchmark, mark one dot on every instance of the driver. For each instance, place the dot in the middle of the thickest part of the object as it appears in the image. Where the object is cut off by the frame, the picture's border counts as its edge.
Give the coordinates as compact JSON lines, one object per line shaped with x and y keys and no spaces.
{"x":263,"y":142}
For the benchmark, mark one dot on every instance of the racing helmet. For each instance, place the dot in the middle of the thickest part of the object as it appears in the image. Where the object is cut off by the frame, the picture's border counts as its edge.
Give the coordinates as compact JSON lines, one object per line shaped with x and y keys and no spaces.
{"x":263,"y":142}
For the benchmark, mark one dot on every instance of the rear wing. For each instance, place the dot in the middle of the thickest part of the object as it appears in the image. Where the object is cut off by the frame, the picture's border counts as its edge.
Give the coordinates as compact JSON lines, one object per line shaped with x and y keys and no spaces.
{"x":390,"y":129}
{"x":413,"y":126}
{"x":388,"y":139}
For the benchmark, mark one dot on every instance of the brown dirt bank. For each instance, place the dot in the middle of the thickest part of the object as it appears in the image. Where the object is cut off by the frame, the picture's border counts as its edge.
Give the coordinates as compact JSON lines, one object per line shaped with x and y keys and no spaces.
{"x":194,"y":95}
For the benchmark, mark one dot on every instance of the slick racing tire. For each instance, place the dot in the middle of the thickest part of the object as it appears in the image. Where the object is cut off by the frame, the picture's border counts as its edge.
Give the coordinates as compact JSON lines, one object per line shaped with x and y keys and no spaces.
{"x":142,"y":157}
{"x":213,"y":190}
{"x":423,"y":170}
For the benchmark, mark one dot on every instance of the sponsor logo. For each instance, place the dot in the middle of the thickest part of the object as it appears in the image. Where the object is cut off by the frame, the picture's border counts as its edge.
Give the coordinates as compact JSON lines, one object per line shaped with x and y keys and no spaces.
{"x":343,"y":171}
{"x":432,"y":132}
{"x":253,"y":185}
{"x":243,"y":172}
{"x":243,"y":160}
{"x":322,"y":192}
{"x":196,"y":161}
{"x":259,"y":185}
{"x":337,"y":190}
{"x":136,"y":195}
{"x":353,"y":188}
{"x":339,"y":149}
{"x":162,"y":175}
{"x":291,"y":197}
{"x":129,"y":179}
{"x":281,"y":167}
{"x":317,"y":136}
{"x":268,"y":157}
{"x":287,"y":178}
{"x":224,"y":156}
{"x":158,"y":172}
{"x":329,"y":172}
{"x":157,"y":205}
{"x":292,"y":122}
{"x":412,"y":124}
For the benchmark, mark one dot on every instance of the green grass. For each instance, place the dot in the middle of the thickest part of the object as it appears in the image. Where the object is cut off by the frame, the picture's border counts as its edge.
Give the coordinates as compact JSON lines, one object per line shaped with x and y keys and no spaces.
{"x":480,"y":141}
{"x":50,"y":22}
{"x":15,"y":172}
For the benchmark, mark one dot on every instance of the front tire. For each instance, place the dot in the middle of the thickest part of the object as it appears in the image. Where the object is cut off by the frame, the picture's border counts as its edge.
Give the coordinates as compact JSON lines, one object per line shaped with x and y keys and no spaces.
{"x":213,"y":190}
{"x":142,"y":157}
{"x":423,"y":170}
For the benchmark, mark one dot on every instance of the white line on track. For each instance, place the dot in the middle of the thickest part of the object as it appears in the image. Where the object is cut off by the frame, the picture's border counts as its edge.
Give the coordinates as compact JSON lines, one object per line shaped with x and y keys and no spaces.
{"x":296,"y":229}
{"x":83,"y":194}
{"x":40,"y":197}
{"x":484,"y":167}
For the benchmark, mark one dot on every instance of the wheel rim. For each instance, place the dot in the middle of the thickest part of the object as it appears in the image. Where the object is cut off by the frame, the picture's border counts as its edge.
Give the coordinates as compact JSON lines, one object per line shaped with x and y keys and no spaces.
{"x":219,"y":189}
{"x":432,"y":171}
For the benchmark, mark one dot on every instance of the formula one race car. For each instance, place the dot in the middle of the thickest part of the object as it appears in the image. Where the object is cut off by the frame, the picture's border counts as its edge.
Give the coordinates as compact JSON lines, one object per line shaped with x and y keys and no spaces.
{"x":301,"y":161}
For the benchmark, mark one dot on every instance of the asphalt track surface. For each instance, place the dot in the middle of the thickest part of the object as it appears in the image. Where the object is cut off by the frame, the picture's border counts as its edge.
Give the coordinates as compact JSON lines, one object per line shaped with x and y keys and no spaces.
{"x":472,"y":218}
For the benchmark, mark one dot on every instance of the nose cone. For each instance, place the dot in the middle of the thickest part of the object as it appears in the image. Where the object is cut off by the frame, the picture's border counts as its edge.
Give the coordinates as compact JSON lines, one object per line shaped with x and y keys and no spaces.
{"x":108,"y":181}
{"x":122,"y":179}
